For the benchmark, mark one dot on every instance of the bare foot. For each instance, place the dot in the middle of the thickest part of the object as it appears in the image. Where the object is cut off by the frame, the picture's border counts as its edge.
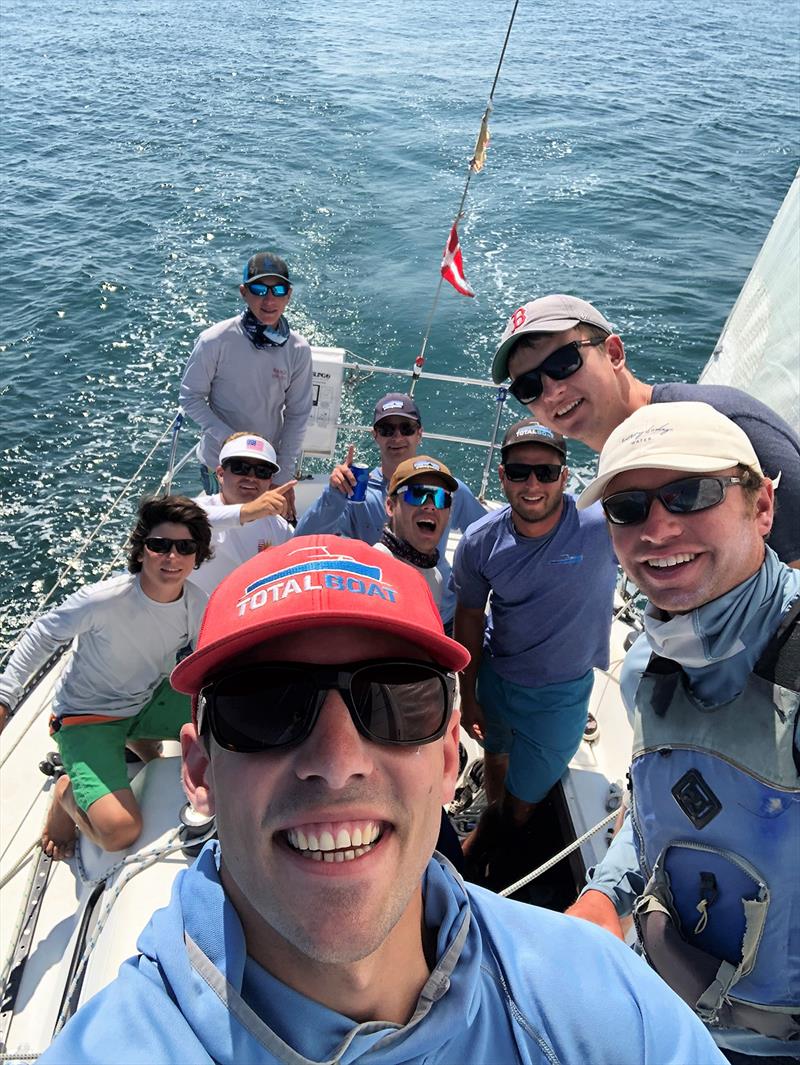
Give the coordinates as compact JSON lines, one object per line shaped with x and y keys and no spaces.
{"x":58,"y":834}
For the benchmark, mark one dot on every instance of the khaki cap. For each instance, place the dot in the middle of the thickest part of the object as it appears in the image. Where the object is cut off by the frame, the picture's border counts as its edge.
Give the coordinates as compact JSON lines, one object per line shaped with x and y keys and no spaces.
{"x":685,"y":437}
{"x":412,"y":468}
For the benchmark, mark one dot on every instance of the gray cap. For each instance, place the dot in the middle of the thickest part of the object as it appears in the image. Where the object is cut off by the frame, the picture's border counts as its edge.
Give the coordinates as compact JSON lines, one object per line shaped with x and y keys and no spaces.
{"x":548,"y":314}
{"x":529,"y":431}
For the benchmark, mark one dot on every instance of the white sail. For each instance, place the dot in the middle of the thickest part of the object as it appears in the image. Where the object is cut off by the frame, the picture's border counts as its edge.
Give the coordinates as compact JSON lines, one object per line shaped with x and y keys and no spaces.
{"x":759,"y":347}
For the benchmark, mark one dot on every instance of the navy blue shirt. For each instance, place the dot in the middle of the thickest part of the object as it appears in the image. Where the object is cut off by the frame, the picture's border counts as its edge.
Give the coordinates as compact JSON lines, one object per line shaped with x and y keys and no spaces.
{"x":551,"y":596}
{"x":776,"y":445}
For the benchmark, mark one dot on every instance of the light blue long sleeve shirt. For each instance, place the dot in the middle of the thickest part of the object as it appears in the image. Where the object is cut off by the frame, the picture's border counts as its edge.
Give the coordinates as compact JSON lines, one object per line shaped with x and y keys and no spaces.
{"x":510,"y":983}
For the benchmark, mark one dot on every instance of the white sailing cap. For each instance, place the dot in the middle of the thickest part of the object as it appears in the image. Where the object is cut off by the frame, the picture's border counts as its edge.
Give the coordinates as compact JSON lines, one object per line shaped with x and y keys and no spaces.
{"x":685,"y":437}
{"x":252,"y":447}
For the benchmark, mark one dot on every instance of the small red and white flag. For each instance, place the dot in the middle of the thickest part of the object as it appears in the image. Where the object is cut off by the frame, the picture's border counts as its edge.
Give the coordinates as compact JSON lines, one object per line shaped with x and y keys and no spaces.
{"x":453,"y":266}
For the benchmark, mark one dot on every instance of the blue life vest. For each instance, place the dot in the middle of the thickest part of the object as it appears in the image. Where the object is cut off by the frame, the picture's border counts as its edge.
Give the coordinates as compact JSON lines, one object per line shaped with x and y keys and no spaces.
{"x":716,"y":812}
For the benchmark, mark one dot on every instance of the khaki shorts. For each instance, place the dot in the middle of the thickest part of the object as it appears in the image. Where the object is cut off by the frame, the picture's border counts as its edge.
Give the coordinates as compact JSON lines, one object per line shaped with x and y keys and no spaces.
{"x":93,"y":753}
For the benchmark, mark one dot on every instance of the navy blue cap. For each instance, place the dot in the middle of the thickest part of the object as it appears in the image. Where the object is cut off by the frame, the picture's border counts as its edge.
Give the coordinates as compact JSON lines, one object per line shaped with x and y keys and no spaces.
{"x":396,"y":403}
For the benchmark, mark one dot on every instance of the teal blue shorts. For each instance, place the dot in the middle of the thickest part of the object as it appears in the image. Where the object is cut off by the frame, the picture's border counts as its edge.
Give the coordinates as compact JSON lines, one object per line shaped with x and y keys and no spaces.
{"x":538,"y":728}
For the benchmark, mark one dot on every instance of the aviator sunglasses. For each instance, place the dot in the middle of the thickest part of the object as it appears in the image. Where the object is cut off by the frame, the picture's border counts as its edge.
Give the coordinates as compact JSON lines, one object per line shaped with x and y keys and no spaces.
{"x":162,"y":545}
{"x":545,"y":472}
{"x":404,"y":429}
{"x":240,"y":468}
{"x":559,"y":365}
{"x":416,"y":494}
{"x":270,"y":706}
{"x":679,"y":497}
{"x":259,"y":289}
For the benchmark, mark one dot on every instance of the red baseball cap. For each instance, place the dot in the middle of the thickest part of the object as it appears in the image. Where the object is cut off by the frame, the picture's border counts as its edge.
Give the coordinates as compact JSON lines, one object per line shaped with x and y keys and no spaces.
{"x":313,"y":582}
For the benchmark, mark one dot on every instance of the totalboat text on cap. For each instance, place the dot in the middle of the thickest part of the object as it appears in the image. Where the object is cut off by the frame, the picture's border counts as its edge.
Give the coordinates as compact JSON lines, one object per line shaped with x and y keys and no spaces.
{"x":548,"y":314}
{"x":396,"y":403}
{"x":252,"y":447}
{"x":419,"y":466}
{"x":529,"y":431}
{"x":314,"y":582}
{"x":265,"y":264}
{"x":686,"y":437}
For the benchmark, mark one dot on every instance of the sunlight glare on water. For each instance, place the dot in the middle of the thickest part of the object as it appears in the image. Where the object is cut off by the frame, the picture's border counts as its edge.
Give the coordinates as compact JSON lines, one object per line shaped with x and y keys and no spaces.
{"x":638,"y":155}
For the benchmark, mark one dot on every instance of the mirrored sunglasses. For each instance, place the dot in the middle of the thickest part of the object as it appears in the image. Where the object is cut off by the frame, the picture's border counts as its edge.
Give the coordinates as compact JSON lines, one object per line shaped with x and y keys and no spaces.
{"x":162,"y":545}
{"x":686,"y":496}
{"x":270,"y":706}
{"x":416,"y":494}
{"x":257,"y":288}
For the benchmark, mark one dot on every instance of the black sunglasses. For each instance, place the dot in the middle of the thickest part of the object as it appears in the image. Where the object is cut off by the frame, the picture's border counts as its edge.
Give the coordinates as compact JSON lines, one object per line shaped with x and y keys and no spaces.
{"x":404,"y":429}
{"x":240,"y":468}
{"x":559,"y":365}
{"x":162,"y":545}
{"x":686,"y":496}
{"x":274,"y":705}
{"x":259,"y":289}
{"x":546,"y":472}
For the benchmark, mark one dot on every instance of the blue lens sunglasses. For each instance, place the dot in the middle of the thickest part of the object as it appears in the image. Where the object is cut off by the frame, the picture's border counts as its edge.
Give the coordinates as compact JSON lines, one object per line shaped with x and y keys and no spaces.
{"x":416,"y":494}
{"x":257,"y":289}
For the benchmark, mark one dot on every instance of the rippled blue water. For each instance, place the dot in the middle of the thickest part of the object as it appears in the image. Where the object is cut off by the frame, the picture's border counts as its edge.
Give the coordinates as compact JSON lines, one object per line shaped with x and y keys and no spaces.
{"x":639,"y":153}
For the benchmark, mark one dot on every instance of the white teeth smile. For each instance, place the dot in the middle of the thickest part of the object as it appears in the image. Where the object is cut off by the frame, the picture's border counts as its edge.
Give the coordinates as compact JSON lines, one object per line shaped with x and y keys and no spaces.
{"x":331,"y":842}
{"x":673,"y":560}
{"x":570,"y":407}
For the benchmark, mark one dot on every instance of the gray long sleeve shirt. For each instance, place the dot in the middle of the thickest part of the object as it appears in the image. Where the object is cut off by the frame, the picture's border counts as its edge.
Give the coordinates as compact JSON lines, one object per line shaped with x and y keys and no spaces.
{"x":229,"y":385}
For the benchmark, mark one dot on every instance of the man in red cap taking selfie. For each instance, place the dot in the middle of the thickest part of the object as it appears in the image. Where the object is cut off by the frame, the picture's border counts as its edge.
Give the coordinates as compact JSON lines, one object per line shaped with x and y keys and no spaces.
{"x":322,"y":925}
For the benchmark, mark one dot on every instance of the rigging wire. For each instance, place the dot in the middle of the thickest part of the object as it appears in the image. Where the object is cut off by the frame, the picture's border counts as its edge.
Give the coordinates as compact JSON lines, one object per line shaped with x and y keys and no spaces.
{"x":474,"y":166}
{"x":71,"y":565}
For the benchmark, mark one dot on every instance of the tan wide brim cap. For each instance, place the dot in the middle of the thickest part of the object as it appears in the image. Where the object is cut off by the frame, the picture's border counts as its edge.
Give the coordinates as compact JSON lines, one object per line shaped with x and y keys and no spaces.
{"x":421,"y":464}
{"x":685,"y":437}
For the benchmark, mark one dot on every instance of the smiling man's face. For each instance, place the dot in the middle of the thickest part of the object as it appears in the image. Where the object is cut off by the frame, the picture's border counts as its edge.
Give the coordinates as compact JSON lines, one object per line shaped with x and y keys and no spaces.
{"x":536,"y":505}
{"x":590,"y":403}
{"x":267,"y":308}
{"x":298,"y":911}
{"x":682,"y":561}
{"x":423,"y":526}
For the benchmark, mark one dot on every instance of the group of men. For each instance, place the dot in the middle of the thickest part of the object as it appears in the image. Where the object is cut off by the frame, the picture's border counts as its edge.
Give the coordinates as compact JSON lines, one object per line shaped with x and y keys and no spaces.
{"x":324,"y":726}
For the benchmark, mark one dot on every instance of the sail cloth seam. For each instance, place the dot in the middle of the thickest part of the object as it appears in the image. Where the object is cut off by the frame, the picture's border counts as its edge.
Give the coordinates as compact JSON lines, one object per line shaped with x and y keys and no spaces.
{"x":452,"y":248}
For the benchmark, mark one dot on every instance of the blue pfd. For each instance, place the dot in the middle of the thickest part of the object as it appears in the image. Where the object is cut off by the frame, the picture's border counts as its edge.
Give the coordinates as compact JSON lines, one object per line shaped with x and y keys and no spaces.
{"x":716,"y":812}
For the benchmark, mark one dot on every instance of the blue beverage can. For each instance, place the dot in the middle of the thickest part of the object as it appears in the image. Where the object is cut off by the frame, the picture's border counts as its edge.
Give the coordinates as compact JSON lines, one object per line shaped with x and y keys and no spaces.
{"x":361,"y":473}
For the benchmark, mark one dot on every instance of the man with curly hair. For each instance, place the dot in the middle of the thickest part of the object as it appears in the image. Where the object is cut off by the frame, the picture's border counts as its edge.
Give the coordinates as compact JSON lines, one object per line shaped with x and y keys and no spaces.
{"x":129,"y":632}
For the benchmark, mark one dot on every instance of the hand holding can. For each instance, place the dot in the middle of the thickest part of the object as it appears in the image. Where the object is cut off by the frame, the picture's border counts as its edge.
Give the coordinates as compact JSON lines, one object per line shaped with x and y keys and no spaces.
{"x":361,"y":473}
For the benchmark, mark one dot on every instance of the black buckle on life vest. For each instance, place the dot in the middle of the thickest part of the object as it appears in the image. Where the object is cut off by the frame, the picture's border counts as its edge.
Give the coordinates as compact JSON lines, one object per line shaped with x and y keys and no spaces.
{"x":696,"y":799}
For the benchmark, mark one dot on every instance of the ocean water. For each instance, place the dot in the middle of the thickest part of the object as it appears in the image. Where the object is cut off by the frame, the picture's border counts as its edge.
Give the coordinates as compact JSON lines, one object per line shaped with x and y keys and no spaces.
{"x":638,"y":155}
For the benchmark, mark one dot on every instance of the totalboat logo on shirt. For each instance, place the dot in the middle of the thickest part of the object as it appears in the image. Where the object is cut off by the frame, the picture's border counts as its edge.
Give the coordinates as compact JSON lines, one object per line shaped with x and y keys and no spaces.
{"x":316,"y":570}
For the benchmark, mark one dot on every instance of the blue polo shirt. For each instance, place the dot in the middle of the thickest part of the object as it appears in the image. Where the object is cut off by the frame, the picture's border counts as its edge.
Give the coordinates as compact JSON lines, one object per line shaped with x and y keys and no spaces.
{"x":551,"y":596}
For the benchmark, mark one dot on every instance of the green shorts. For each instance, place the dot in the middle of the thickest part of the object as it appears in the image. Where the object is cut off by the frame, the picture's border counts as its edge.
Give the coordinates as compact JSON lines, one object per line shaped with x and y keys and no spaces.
{"x":94,"y":754}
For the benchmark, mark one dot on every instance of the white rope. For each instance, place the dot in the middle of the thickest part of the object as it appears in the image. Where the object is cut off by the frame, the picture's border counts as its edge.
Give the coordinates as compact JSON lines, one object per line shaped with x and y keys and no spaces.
{"x":557,"y":857}
{"x":26,"y":857}
{"x":135,"y":863}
